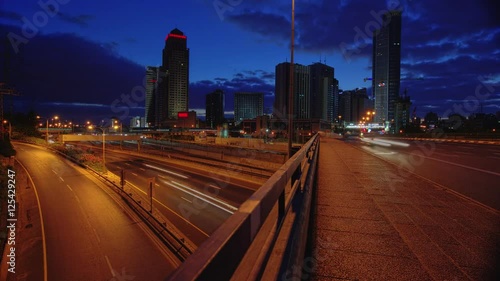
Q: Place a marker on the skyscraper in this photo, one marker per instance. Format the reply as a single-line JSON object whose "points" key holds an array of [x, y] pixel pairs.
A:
{"points": [[176, 67], [248, 105], [301, 99], [322, 91], [151, 95], [386, 66], [215, 109]]}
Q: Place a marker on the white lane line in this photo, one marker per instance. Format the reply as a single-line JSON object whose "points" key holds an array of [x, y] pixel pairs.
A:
{"points": [[173, 212], [199, 197], [459, 165], [69, 187], [142, 169], [156, 184], [77, 199], [166, 171], [54, 172], [187, 200], [214, 186], [134, 174], [61, 179], [110, 267], [127, 163], [96, 235]]}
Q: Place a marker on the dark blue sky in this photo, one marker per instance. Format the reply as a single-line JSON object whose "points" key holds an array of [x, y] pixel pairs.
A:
{"points": [[86, 58]]}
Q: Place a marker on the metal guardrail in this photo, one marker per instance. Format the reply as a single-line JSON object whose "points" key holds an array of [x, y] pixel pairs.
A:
{"points": [[250, 243]]}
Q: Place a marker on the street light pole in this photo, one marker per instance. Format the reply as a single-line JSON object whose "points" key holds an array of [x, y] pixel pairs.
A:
{"points": [[103, 147], [290, 94]]}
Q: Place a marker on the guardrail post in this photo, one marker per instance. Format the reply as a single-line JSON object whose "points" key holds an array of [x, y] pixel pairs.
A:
{"points": [[281, 206]]}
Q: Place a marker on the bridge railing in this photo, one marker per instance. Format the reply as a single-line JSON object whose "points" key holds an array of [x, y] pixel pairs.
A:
{"points": [[266, 237]]}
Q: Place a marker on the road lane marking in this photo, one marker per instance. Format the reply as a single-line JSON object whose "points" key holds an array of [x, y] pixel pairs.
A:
{"points": [[96, 235], [459, 165], [77, 199], [166, 171], [69, 187], [127, 163], [44, 246], [214, 186], [187, 200], [157, 184], [110, 267], [142, 169], [134, 174], [61, 179], [54, 172], [172, 211], [183, 188]]}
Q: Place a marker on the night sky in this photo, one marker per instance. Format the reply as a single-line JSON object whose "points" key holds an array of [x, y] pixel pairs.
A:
{"points": [[85, 60]]}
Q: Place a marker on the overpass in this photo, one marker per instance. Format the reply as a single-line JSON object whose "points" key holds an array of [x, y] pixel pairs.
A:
{"points": [[268, 234]]}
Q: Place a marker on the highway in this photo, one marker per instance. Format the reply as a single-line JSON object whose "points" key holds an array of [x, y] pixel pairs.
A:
{"points": [[89, 235], [196, 204], [471, 170]]}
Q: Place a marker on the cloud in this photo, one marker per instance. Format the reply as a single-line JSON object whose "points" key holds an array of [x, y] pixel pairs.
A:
{"points": [[67, 69], [80, 20], [12, 16]]}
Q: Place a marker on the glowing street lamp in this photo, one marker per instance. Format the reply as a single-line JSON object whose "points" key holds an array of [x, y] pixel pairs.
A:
{"points": [[103, 146], [10, 128]]}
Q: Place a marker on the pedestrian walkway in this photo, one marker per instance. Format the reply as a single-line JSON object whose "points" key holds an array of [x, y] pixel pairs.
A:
{"points": [[368, 226]]}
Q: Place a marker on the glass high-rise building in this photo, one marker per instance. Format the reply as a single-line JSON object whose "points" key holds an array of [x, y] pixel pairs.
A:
{"points": [[387, 66], [322, 91], [176, 67], [214, 109], [151, 95], [248, 105], [301, 88]]}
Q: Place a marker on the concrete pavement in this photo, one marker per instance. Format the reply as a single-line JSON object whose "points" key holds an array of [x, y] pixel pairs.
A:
{"points": [[367, 226]]}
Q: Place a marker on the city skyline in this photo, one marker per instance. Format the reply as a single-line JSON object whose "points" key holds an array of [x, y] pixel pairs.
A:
{"points": [[237, 49]]}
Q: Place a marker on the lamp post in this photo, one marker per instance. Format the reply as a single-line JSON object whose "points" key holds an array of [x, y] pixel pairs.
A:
{"points": [[10, 128], [47, 126], [103, 146], [290, 94], [121, 131]]}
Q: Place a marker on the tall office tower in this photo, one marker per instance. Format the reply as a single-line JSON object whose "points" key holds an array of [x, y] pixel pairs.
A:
{"points": [[176, 67], [151, 95], [402, 113], [301, 99], [333, 108], [321, 93], [214, 109], [353, 105], [248, 105], [386, 66], [359, 100]]}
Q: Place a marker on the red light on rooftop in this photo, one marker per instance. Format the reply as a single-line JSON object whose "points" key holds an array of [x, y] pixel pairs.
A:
{"points": [[182, 115], [175, 36]]}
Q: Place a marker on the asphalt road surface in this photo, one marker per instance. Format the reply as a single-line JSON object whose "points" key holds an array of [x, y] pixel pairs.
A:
{"points": [[88, 235], [196, 204], [472, 170]]}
